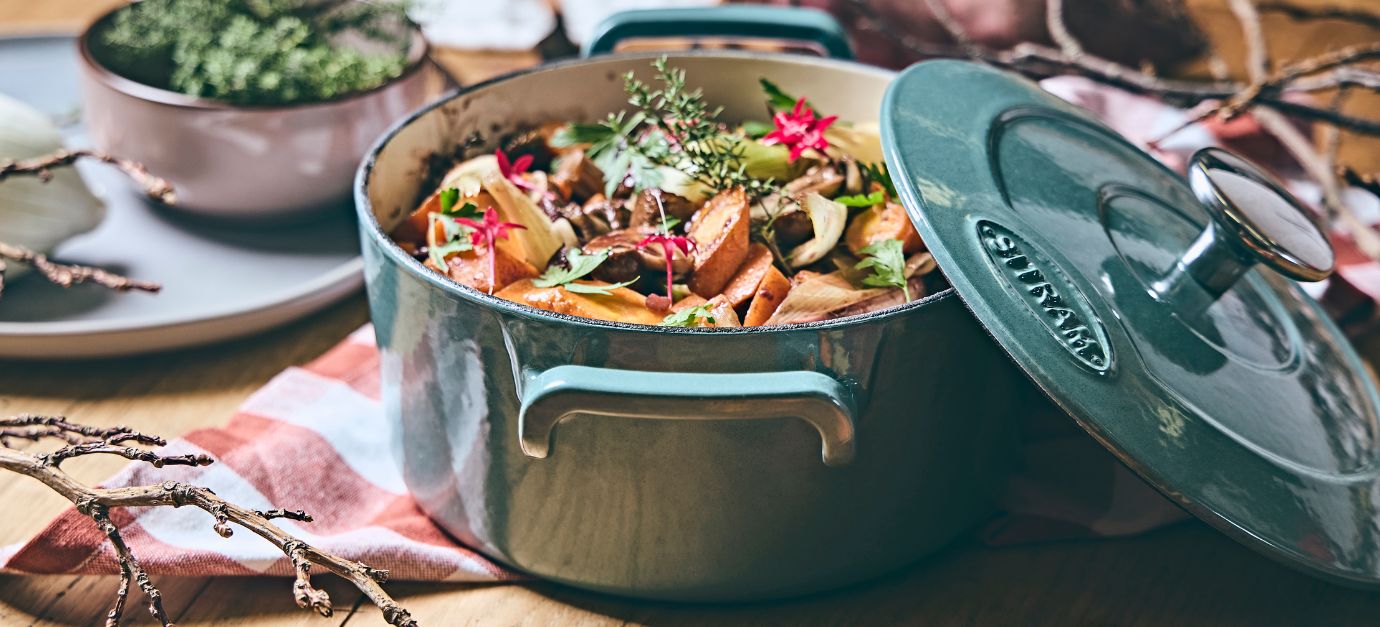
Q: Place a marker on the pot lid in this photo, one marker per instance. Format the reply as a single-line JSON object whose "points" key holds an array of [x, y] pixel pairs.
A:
{"points": [[1154, 310]]}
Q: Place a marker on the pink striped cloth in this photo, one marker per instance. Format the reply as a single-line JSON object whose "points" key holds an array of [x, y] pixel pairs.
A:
{"points": [[312, 439]]}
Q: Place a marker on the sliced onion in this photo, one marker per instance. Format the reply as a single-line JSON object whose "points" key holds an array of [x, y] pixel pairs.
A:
{"points": [[860, 141], [468, 176], [542, 238], [828, 218]]}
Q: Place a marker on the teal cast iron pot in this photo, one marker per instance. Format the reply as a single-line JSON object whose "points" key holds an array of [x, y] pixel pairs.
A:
{"points": [[684, 464]]}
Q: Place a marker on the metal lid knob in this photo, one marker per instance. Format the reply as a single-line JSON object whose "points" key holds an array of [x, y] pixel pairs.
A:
{"points": [[1254, 220]]}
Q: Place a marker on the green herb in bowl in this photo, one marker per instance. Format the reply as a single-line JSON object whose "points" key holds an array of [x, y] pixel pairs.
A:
{"points": [[258, 52]]}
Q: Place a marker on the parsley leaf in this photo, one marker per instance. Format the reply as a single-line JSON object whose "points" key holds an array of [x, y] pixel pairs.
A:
{"points": [[457, 240], [888, 265], [616, 149], [877, 173], [668, 223], [449, 197], [689, 317], [603, 290], [862, 200], [581, 264], [778, 99]]}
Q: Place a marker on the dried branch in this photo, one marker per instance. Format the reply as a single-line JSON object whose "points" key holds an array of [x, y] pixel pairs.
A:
{"points": [[941, 14], [65, 275], [1368, 182], [96, 503], [1268, 92], [1037, 61], [1317, 167], [1059, 30], [41, 167], [1257, 52]]}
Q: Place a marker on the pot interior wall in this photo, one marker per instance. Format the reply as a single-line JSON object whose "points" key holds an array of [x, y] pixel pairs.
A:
{"points": [[589, 91]]}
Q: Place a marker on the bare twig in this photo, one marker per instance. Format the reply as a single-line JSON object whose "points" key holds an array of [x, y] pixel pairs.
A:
{"points": [[1269, 92], [41, 167], [129, 566], [96, 503], [1038, 61], [1316, 165], [65, 275], [1331, 139], [1257, 52], [941, 14], [1059, 30], [1368, 182]]}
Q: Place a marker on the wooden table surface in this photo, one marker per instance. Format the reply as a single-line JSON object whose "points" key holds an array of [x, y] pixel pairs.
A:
{"points": [[1187, 574]]}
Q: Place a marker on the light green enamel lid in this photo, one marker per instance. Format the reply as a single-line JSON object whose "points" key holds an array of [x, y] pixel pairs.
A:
{"points": [[1153, 311]]}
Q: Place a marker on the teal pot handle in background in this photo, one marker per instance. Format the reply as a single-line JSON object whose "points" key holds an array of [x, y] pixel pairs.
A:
{"points": [[557, 394], [788, 23]]}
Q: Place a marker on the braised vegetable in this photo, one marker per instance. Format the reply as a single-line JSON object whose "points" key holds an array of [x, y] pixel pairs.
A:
{"points": [[664, 215]]}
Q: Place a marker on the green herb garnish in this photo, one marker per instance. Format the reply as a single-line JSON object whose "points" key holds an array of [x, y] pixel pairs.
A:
{"points": [[668, 223], [614, 147], [448, 197], [862, 200], [877, 173], [689, 317], [581, 264], [778, 99], [457, 240], [888, 265], [707, 152], [257, 52]]}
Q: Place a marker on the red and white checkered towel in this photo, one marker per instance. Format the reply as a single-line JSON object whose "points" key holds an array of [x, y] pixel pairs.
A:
{"points": [[311, 439]]}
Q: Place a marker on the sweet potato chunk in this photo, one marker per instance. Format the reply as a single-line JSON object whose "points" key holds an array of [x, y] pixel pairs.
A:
{"points": [[719, 309], [744, 284], [413, 228], [769, 295], [620, 305], [723, 312], [876, 224], [720, 233], [472, 268]]}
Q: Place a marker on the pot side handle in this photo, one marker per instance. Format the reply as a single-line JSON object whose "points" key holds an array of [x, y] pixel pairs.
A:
{"points": [[763, 22], [555, 395]]}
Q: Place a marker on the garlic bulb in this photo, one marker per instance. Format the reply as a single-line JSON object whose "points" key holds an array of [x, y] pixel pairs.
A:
{"points": [[35, 214]]}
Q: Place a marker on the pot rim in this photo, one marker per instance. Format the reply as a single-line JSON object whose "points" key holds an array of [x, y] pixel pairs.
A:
{"points": [[418, 53], [370, 224]]}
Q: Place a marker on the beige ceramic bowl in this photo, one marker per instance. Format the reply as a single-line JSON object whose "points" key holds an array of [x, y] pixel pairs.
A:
{"points": [[247, 162]]}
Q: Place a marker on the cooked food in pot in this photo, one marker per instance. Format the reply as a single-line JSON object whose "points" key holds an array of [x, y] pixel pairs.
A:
{"points": [[664, 215]]}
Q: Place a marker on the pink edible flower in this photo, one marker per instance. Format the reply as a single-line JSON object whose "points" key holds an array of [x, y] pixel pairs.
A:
{"points": [[486, 233], [669, 244], [799, 130]]}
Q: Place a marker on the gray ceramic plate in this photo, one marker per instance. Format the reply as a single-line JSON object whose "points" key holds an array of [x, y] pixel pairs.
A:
{"points": [[219, 282]]}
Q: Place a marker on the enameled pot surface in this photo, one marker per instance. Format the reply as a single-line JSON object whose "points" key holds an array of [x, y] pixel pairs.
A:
{"points": [[672, 478], [239, 162]]}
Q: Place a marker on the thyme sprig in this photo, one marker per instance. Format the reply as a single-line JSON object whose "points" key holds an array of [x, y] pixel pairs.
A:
{"points": [[706, 150]]}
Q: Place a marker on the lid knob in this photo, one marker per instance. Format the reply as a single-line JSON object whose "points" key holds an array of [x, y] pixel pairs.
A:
{"points": [[1254, 220]]}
